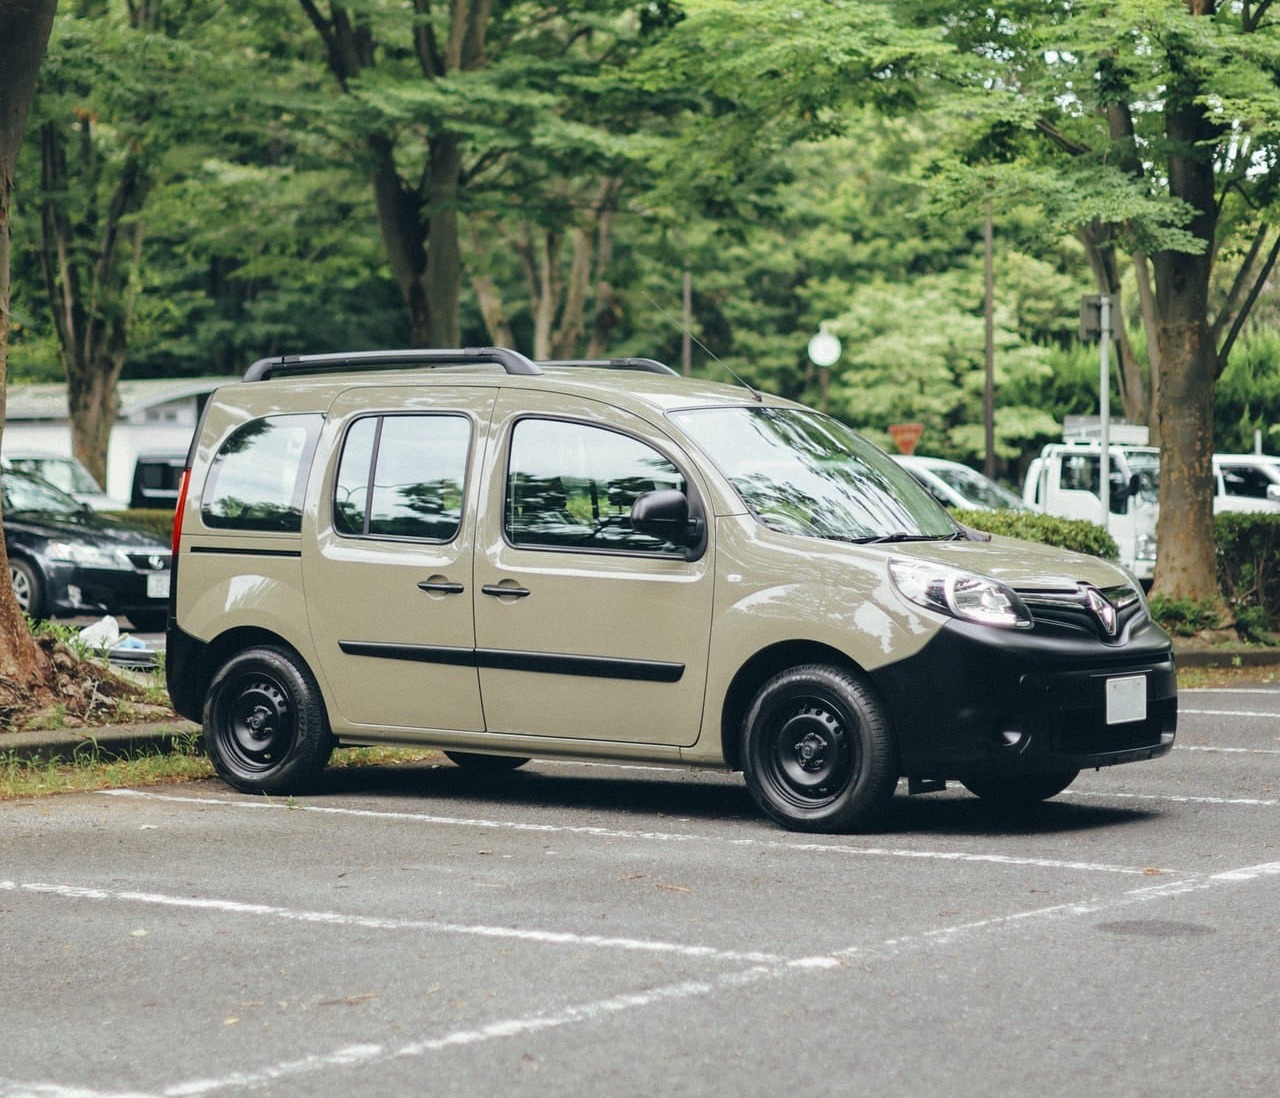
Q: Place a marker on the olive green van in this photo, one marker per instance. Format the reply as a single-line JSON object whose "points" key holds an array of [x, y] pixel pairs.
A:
{"points": [[602, 560]]}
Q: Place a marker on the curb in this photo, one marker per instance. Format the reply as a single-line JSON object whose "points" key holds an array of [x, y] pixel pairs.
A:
{"points": [[1188, 656], [109, 741]]}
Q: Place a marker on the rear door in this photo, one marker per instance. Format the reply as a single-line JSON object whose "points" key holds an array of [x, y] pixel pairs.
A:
{"points": [[388, 583], [586, 629]]}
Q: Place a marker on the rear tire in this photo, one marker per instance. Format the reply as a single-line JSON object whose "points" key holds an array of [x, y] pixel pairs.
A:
{"points": [[265, 728], [817, 751], [1020, 792]]}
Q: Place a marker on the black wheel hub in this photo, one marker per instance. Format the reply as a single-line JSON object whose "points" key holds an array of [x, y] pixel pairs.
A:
{"points": [[260, 723], [812, 753]]}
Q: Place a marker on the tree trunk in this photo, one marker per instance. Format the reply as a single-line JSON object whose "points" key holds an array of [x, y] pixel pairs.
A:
{"points": [[24, 35], [87, 263], [1186, 565]]}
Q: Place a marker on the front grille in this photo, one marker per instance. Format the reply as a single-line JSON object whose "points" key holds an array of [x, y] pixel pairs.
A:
{"points": [[1085, 611]]}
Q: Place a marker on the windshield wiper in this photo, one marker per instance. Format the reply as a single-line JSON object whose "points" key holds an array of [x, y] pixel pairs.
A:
{"points": [[902, 535]]}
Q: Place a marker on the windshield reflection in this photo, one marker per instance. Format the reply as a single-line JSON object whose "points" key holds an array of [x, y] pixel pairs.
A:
{"points": [[800, 472]]}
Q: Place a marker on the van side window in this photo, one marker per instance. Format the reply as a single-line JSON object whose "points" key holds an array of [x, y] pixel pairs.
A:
{"points": [[571, 485], [402, 476], [259, 474]]}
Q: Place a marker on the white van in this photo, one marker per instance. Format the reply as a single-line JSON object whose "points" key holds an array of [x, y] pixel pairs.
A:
{"points": [[1246, 482]]}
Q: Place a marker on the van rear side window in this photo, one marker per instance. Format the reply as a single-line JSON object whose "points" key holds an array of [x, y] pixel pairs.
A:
{"points": [[259, 475], [402, 476]]}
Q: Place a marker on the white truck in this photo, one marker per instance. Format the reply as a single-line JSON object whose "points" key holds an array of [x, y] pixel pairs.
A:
{"points": [[1064, 481]]}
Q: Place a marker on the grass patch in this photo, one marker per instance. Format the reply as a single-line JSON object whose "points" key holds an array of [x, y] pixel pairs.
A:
{"points": [[1190, 678], [89, 768]]}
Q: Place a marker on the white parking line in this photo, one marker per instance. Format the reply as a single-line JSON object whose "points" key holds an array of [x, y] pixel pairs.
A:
{"points": [[1228, 750], [654, 836], [1246, 802], [361, 1055], [334, 918], [1182, 712]]}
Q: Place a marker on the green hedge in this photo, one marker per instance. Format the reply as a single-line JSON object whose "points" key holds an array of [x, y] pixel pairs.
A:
{"points": [[1078, 534], [1248, 549], [159, 522]]}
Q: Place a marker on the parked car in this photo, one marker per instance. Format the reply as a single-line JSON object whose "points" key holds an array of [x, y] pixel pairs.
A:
{"points": [[1246, 482], [957, 486], [503, 559], [157, 476], [64, 559], [65, 473]]}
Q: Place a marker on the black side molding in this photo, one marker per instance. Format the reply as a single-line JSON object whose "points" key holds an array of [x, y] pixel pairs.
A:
{"points": [[548, 663]]}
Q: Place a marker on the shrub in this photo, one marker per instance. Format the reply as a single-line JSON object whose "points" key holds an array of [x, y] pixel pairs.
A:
{"points": [[1077, 534], [159, 522], [1248, 552], [1185, 617]]}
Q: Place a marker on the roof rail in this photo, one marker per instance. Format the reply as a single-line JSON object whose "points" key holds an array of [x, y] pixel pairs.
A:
{"points": [[289, 365], [648, 365]]}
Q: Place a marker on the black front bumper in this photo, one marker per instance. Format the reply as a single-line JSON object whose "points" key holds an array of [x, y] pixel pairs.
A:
{"points": [[982, 701]]}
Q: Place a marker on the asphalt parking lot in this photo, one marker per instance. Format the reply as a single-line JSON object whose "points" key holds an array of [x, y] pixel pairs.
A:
{"points": [[602, 930]]}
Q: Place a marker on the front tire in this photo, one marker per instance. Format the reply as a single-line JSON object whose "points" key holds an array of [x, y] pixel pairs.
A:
{"points": [[28, 587], [265, 728], [817, 750]]}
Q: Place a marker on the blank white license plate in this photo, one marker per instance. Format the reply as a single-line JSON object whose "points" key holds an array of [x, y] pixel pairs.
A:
{"points": [[157, 585], [1127, 699]]}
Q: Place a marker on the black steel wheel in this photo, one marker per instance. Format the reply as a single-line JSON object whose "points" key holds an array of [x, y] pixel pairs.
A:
{"points": [[28, 587], [1020, 791], [817, 750], [485, 764], [265, 728]]}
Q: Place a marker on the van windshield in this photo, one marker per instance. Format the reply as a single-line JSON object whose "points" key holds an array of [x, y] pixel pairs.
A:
{"points": [[800, 472]]}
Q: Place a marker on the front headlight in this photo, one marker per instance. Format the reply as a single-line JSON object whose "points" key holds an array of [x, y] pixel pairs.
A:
{"points": [[964, 595], [88, 556]]}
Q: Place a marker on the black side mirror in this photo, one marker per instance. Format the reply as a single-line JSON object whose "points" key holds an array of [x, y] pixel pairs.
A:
{"points": [[663, 513], [1135, 484], [667, 514]]}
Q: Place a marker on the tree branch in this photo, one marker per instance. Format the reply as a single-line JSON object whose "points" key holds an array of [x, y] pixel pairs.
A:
{"points": [[1224, 353]]}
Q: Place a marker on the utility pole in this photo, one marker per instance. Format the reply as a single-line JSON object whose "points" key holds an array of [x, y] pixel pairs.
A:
{"points": [[988, 309], [687, 351], [1095, 323]]}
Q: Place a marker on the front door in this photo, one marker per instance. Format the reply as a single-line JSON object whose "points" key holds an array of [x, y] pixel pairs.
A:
{"points": [[586, 628]]}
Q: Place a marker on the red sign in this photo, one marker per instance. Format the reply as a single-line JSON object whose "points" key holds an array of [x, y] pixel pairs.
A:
{"points": [[906, 435]]}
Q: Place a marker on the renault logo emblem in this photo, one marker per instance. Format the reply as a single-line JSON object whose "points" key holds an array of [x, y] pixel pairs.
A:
{"points": [[1103, 610]]}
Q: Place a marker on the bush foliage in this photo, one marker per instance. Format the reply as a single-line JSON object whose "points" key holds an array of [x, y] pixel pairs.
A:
{"points": [[1248, 548], [1077, 534]]}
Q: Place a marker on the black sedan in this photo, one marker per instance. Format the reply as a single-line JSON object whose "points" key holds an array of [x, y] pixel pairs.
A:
{"points": [[66, 560]]}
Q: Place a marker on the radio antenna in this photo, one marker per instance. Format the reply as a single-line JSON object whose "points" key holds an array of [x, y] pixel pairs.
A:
{"points": [[755, 394]]}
